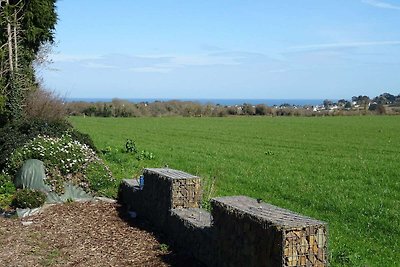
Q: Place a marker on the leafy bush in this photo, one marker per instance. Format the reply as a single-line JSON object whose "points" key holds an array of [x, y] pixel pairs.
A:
{"points": [[5, 201], [6, 185], [7, 190], [65, 160], [98, 176], [130, 146], [27, 198]]}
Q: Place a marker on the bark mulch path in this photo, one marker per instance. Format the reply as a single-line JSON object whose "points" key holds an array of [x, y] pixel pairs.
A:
{"points": [[82, 234]]}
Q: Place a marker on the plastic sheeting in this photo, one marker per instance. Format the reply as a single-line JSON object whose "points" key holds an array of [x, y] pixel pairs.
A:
{"points": [[71, 193], [32, 176]]}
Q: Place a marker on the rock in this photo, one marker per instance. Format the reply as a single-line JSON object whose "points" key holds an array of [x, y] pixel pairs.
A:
{"points": [[321, 238], [106, 199], [303, 245], [132, 214]]}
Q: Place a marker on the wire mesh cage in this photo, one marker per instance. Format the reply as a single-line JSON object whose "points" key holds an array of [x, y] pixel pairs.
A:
{"points": [[305, 247]]}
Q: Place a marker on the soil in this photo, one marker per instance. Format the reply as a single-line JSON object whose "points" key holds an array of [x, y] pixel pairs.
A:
{"points": [[84, 234]]}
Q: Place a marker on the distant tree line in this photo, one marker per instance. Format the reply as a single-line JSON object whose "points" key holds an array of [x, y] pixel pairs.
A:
{"points": [[382, 104]]}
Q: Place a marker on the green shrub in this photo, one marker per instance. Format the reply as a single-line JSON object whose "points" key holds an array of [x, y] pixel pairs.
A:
{"points": [[27, 198], [5, 201], [6, 185], [15, 135], [100, 179], [65, 160], [130, 146], [62, 152]]}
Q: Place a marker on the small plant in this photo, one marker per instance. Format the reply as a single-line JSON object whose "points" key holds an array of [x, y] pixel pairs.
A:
{"points": [[107, 150], [5, 201], [130, 146], [208, 192], [6, 185], [114, 155], [100, 179], [145, 155], [27, 198], [7, 190], [164, 248]]}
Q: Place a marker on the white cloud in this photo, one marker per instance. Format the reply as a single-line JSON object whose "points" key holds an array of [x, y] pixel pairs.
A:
{"points": [[381, 4], [72, 58], [151, 70], [164, 63], [93, 65], [279, 70], [343, 45], [202, 60]]}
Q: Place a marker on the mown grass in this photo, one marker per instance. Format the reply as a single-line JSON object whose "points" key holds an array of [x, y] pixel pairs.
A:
{"points": [[343, 170]]}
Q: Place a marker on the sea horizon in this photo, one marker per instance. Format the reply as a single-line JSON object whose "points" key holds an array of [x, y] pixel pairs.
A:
{"points": [[215, 101]]}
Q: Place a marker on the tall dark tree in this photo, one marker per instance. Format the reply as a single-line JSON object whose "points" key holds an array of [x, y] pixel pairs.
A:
{"points": [[26, 25]]}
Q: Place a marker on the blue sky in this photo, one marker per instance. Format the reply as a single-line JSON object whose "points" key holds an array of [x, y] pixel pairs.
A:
{"points": [[226, 49]]}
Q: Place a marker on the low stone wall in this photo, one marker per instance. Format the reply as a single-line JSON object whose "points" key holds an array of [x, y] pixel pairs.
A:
{"points": [[249, 233], [240, 231], [164, 190], [190, 230]]}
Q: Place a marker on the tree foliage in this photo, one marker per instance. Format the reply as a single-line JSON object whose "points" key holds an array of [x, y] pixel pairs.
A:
{"points": [[26, 25]]}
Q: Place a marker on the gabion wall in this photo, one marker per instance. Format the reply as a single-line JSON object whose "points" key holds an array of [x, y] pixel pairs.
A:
{"points": [[240, 231], [252, 233]]}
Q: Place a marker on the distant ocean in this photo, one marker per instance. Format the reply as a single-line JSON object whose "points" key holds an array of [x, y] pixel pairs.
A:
{"points": [[223, 102]]}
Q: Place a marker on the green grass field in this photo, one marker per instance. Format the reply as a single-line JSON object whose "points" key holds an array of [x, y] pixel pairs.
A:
{"points": [[343, 170]]}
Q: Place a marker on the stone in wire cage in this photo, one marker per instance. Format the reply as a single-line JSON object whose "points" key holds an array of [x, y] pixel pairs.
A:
{"points": [[305, 247]]}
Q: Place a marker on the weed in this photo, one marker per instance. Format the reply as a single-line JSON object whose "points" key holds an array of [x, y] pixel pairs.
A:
{"points": [[130, 146], [51, 258], [143, 155], [164, 248]]}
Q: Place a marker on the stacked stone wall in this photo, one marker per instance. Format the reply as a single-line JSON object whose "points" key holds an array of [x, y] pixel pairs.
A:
{"points": [[240, 231], [252, 233]]}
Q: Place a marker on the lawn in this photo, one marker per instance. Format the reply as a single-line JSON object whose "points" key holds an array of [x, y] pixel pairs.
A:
{"points": [[343, 170]]}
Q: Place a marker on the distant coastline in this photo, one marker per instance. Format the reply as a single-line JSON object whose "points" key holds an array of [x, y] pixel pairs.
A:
{"points": [[203, 101]]}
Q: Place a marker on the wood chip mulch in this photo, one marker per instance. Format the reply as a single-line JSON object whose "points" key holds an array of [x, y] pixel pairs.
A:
{"points": [[83, 234]]}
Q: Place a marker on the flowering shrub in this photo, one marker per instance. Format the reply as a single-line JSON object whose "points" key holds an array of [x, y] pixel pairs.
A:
{"points": [[65, 159], [66, 154]]}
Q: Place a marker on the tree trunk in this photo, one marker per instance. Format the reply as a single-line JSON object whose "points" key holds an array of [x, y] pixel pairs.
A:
{"points": [[10, 43], [15, 40]]}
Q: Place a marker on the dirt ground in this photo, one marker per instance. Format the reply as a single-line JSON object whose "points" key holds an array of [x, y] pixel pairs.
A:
{"points": [[83, 234]]}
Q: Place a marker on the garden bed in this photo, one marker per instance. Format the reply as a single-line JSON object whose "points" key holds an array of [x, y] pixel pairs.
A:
{"points": [[82, 234]]}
